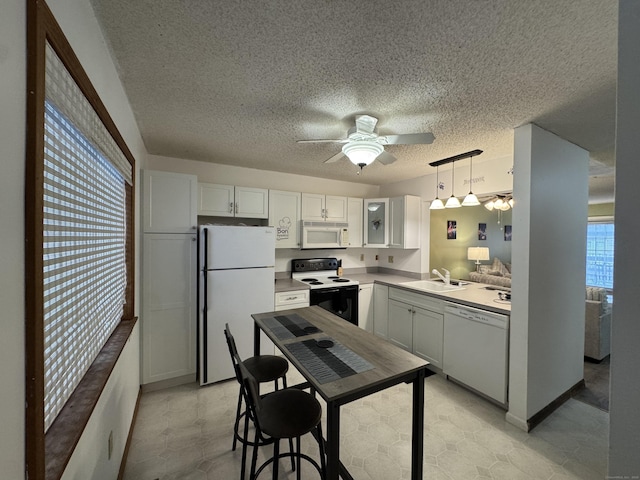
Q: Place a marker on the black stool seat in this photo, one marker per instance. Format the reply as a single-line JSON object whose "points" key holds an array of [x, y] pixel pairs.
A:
{"points": [[267, 368], [289, 413]]}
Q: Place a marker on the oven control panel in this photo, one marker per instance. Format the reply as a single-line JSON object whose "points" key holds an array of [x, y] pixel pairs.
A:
{"points": [[314, 264]]}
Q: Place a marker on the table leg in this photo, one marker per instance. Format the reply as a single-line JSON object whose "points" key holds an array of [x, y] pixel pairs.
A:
{"points": [[417, 429], [256, 339], [333, 441]]}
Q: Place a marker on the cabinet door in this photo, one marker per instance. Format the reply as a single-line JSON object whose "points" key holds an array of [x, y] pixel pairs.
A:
{"points": [[251, 202], [428, 331], [376, 217], [401, 324], [365, 308], [335, 208], [396, 222], [381, 310], [354, 218], [168, 306], [284, 215], [215, 200], [169, 202], [313, 207]]}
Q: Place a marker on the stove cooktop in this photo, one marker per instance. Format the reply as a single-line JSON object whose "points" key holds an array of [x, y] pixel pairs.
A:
{"points": [[319, 273]]}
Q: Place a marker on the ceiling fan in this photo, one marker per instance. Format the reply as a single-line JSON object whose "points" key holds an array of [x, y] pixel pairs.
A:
{"points": [[363, 145]]}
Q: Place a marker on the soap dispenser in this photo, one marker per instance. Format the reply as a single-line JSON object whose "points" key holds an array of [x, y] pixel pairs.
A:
{"points": [[339, 268]]}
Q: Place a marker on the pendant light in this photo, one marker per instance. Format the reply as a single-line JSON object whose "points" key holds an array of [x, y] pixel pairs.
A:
{"points": [[470, 200], [437, 204], [453, 202]]}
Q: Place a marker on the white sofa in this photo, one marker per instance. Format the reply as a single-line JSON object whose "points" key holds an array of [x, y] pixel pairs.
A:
{"points": [[497, 273], [597, 324]]}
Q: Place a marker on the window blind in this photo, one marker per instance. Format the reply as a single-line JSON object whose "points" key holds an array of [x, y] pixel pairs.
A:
{"points": [[84, 233]]}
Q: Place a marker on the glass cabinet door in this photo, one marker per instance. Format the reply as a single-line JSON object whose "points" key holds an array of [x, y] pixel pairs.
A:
{"points": [[376, 214]]}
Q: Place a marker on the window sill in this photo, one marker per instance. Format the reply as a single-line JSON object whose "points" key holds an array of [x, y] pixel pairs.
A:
{"points": [[65, 432]]}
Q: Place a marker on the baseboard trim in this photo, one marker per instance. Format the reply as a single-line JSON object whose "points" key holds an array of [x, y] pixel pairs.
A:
{"points": [[168, 383], [125, 454], [536, 419]]}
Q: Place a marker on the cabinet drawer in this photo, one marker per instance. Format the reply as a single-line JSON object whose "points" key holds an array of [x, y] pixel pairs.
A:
{"points": [[417, 299], [284, 299]]}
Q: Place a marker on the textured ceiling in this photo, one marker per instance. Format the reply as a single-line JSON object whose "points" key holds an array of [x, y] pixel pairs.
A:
{"points": [[238, 82]]}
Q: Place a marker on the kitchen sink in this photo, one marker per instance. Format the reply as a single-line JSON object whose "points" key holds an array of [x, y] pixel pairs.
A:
{"points": [[432, 286]]}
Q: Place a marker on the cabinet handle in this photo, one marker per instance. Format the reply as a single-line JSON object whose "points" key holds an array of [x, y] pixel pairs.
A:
{"points": [[231, 207], [193, 239], [194, 228]]}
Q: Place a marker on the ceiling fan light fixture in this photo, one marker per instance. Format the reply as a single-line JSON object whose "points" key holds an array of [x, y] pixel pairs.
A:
{"points": [[362, 153]]}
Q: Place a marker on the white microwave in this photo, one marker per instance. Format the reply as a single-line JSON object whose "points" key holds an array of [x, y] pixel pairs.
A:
{"points": [[325, 234]]}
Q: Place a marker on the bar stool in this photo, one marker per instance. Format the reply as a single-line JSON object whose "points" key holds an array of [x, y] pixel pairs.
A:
{"points": [[264, 368], [283, 414]]}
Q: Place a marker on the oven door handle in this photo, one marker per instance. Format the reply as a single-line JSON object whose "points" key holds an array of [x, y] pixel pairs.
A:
{"points": [[329, 290]]}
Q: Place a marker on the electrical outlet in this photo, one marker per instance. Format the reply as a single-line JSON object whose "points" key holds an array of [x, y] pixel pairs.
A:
{"points": [[390, 258], [110, 444], [376, 257], [362, 257]]}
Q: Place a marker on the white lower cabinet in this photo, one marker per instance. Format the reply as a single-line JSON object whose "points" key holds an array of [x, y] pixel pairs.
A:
{"points": [[168, 306], [291, 299], [365, 307], [381, 310], [416, 323]]}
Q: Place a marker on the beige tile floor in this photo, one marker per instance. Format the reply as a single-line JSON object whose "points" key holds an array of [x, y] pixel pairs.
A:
{"points": [[185, 432]]}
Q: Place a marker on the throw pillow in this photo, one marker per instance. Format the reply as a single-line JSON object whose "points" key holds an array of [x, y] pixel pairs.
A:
{"points": [[499, 266]]}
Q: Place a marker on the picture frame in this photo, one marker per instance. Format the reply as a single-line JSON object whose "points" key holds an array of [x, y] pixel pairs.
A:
{"points": [[451, 229], [507, 233], [482, 231]]}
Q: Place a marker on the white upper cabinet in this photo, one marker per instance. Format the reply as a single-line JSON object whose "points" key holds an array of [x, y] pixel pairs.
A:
{"points": [[284, 215], [404, 222], [354, 219], [320, 208], [169, 202], [376, 222], [216, 200]]}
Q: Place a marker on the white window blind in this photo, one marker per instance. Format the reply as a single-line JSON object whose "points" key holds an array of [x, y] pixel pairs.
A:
{"points": [[600, 254], [84, 243]]}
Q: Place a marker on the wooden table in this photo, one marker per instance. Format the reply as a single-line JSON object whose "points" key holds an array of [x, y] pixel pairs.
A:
{"points": [[391, 366]]}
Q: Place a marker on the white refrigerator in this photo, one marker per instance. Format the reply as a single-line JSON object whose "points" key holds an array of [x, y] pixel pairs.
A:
{"points": [[236, 279]]}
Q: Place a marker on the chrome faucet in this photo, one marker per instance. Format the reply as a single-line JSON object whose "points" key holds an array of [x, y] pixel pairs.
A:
{"points": [[447, 275]]}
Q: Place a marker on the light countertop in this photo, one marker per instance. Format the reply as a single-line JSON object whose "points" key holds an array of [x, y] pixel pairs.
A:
{"points": [[473, 294]]}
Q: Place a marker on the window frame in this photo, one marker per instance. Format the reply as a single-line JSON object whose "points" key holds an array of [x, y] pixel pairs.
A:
{"points": [[47, 455]]}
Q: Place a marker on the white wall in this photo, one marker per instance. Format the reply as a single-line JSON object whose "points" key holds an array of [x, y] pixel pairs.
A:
{"points": [[12, 141], [80, 26], [624, 441], [548, 259]]}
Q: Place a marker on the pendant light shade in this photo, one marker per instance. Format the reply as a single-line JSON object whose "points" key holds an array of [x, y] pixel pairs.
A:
{"points": [[437, 204]]}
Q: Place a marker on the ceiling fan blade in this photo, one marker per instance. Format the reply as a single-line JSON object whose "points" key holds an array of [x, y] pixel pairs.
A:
{"points": [[407, 139], [386, 158], [365, 123], [342, 140], [335, 158]]}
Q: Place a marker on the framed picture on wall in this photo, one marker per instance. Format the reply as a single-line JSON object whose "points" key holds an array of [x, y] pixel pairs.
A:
{"points": [[482, 231], [507, 233], [451, 229]]}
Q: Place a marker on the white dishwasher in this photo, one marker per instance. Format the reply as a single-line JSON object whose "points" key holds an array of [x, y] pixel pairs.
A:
{"points": [[476, 349]]}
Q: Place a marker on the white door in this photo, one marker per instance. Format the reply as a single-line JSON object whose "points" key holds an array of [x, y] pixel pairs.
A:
{"points": [[252, 202], [169, 202], [428, 335], [335, 208], [376, 223], [232, 296], [231, 246], [313, 207], [168, 306], [215, 200], [401, 324], [365, 308], [354, 218], [284, 215]]}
